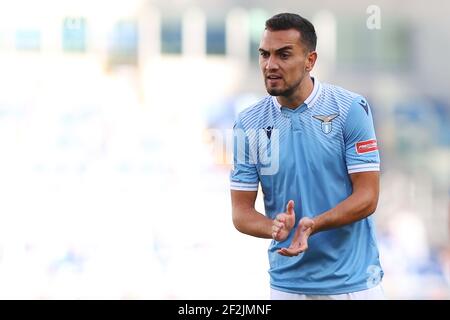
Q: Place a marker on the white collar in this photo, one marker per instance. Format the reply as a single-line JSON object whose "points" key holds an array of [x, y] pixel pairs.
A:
{"points": [[312, 98]]}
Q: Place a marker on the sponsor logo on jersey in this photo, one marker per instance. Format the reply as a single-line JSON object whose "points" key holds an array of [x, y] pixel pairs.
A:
{"points": [[366, 146]]}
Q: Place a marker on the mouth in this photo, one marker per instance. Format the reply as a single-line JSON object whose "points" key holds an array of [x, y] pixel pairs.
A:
{"points": [[273, 79]]}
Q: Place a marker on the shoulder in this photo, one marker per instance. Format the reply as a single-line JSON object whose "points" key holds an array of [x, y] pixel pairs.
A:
{"points": [[344, 99], [252, 115], [341, 95]]}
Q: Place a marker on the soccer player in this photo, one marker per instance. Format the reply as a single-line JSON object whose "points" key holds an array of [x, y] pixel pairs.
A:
{"points": [[312, 148]]}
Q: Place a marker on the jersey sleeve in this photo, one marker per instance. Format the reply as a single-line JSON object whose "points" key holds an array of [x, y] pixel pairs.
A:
{"points": [[360, 140], [244, 174]]}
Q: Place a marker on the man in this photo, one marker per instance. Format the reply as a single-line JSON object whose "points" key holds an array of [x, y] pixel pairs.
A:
{"points": [[313, 149]]}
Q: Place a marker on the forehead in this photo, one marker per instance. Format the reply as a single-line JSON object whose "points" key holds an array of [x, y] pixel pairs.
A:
{"points": [[273, 40]]}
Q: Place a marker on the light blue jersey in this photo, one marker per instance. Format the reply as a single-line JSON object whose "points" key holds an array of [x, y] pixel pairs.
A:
{"points": [[306, 155]]}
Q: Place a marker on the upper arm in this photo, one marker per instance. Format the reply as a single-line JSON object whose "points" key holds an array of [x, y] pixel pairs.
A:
{"points": [[366, 181], [242, 201], [244, 175], [366, 186], [244, 178], [361, 154], [361, 148]]}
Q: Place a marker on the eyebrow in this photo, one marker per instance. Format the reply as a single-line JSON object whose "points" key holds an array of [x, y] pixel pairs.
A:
{"points": [[285, 48]]}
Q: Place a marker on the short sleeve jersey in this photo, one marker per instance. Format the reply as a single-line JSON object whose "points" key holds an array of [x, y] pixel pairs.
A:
{"points": [[307, 154]]}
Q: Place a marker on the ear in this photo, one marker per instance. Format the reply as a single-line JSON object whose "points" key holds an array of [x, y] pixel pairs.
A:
{"points": [[311, 58]]}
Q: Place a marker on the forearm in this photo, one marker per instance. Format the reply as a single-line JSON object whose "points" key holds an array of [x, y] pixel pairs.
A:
{"points": [[352, 209], [253, 223]]}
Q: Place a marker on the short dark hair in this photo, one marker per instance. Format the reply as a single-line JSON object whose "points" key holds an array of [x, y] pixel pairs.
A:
{"points": [[285, 21]]}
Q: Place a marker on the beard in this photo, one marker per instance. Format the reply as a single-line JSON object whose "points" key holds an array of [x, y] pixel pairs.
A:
{"points": [[284, 92]]}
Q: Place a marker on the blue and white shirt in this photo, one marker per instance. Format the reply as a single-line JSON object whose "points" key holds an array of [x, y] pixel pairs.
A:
{"points": [[306, 154]]}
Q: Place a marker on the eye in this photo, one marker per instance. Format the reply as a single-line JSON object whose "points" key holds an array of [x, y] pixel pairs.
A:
{"points": [[284, 55], [264, 54]]}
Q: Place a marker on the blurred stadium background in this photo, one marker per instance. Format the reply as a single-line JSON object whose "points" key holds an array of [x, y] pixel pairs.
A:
{"points": [[113, 134]]}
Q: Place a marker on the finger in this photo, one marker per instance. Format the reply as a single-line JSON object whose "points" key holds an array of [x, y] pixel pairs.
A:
{"points": [[275, 233], [287, 252], [279, 224], [292, 251], [276, 236], [307, 223], [290, 207], [282, 251]]}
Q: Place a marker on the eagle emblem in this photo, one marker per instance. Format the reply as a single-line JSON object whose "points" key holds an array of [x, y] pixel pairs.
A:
{"points": [[326, 121]]}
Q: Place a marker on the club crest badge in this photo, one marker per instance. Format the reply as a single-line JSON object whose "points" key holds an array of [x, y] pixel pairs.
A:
{"points": [[326, 121]]}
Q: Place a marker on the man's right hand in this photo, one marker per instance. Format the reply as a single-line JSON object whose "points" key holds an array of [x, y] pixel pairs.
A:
{"points": [[283, 223]]}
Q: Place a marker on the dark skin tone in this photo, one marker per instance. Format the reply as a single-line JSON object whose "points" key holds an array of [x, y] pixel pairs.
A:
{"points": [[286, 63]]}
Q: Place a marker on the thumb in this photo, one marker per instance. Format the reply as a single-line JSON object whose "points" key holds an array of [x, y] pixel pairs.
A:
{"points": [[306, 223], [290, 208]]}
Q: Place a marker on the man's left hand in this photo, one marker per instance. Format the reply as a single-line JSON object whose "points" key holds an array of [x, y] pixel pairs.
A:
{"points": [[299, 243]]}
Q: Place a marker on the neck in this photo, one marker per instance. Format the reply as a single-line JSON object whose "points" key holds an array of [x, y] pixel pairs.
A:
{"points": [[303, 91]]}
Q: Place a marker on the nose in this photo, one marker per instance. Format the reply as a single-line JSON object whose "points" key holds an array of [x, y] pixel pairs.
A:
{"points": [[271, 63]]}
